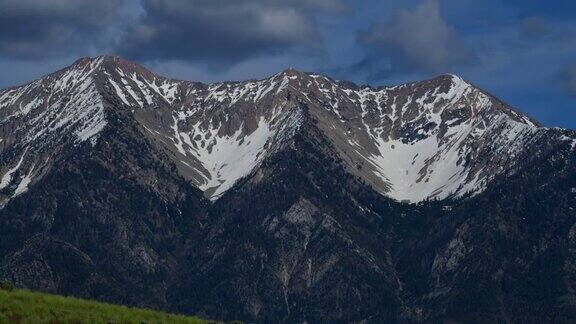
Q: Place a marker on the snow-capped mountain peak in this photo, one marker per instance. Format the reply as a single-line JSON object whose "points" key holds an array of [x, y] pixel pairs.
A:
{"points": [[430, 139]]}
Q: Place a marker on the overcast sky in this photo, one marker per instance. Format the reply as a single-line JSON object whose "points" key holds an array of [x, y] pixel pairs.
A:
{"points": [[523, 51]]}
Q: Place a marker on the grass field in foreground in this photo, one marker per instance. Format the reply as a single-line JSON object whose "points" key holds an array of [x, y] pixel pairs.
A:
{"points": [[23, 306]]}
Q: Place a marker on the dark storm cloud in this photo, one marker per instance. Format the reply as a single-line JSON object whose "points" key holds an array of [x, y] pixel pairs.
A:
{"points": [[417, 40], [568, 78], [37, 28], [224, 31]]}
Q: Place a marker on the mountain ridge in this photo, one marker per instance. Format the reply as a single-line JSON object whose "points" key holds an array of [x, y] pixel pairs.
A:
{"points": [[196, 107]]}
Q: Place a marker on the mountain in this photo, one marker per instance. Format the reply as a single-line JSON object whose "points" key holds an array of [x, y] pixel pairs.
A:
{"points": [[291, 198]]}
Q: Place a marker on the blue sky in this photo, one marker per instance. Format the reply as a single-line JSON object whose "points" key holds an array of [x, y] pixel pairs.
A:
{"points": [[522, 51]]}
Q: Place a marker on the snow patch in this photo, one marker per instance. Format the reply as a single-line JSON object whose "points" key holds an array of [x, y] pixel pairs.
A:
{"points": [[230, 158], [7, 178], [569, 139], [93, 125], [23, 185]]}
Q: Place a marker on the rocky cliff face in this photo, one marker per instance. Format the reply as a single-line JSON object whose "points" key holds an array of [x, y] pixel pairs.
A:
{"points": [[292, 198]]}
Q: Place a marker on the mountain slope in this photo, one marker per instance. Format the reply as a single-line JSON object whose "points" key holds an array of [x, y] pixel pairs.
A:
{"points": [[285, 199], [107, 221], [506, 254], [293, 231]]}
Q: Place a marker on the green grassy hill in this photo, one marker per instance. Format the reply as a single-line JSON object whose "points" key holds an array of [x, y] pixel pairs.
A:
{"points": [[22, 306]]}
